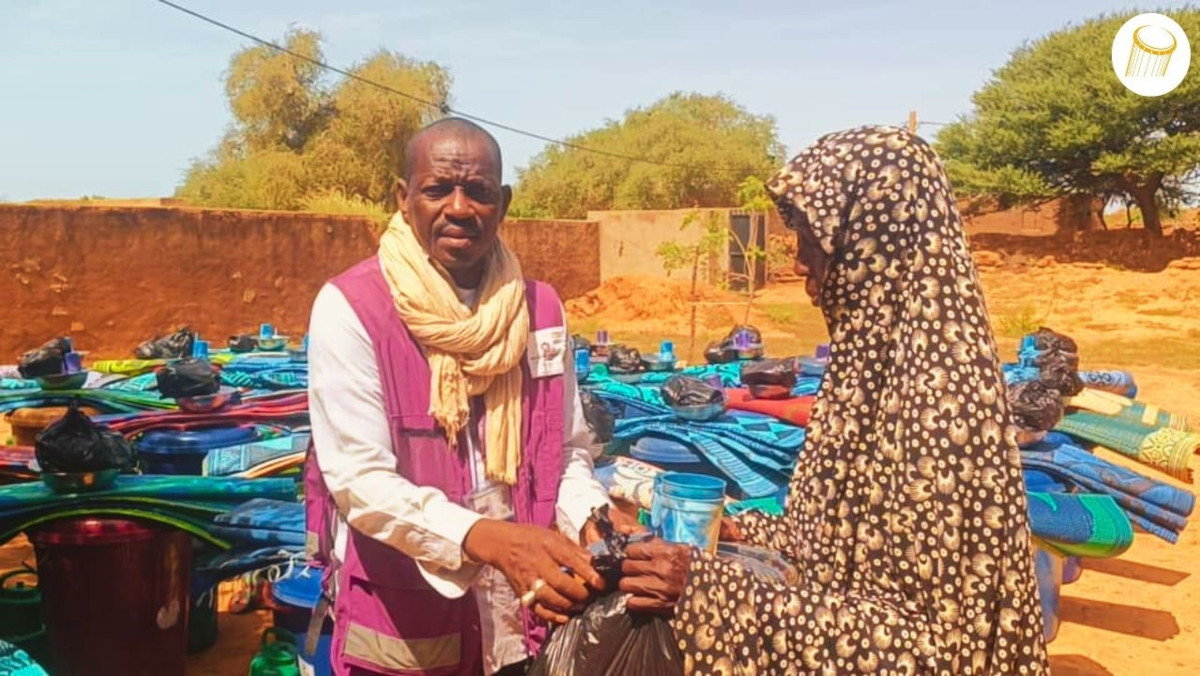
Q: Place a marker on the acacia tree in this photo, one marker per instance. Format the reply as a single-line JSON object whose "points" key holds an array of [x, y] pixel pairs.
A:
{"points": [[1056, 121], [705, 145], [298, 139]]}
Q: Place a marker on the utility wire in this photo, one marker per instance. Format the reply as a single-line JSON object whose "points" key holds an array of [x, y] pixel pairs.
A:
{"points": [[442, 107]]}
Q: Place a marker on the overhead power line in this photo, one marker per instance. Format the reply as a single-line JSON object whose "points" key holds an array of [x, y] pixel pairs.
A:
{"points": [[443, 108]]}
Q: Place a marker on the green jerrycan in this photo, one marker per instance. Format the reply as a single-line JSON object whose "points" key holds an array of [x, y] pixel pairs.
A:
{"points": [[277, 656]]}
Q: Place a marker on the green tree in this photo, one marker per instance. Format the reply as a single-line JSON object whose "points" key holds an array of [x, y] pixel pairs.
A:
{"points": [[713, 241], [1056, 121], [298, 140], [709, 142]]}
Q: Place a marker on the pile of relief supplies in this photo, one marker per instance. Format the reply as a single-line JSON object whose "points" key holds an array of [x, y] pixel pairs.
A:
{"points": [[741, 417], [210, 442]]}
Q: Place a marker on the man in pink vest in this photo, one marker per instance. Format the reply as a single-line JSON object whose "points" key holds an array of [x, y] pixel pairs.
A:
{"points": [[451, 471]]}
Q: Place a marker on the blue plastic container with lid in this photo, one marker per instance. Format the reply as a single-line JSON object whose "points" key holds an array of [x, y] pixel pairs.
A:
{"points": [[670, 455], [294, 598], [687, 509], [183, 452]]}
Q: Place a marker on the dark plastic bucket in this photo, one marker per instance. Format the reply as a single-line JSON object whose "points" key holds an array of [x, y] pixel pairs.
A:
{"points": [[115, 596], [294, 598], [182, 452]]}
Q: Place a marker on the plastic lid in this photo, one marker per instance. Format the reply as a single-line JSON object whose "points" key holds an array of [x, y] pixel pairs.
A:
{"points": [[266, 330], [657, 451], [195, 441], [667, 347], [92, 531], [302, 588]]}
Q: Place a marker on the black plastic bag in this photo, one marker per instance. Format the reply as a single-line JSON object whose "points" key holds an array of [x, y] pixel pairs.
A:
{"points": [[1034, 405], [47, 360], [599, 419], [688, 391], [720, 352], [1060, 370], [606, 639], [188, 378], [726, 349], [770, 378], [173, 346], [1046, 339], [243, 343], [625, 359], [74, 443], [753, 335]]}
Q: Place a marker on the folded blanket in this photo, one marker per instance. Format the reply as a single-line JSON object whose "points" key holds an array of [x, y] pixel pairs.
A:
{"points": [[1059, 449], [287, 409], [1164, 449], [243, 457], [106, 400], [1074, 524], [12, 526], [1127, 410], [181, 488], [755, 452], [1121, 486], [631, 401], [796, 411], [261, 523], [730, 374], [1117, 382]]}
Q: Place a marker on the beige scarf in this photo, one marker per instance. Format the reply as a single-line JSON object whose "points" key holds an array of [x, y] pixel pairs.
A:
{"points": [[470, 353]]}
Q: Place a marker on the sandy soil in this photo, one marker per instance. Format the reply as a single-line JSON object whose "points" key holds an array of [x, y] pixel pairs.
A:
{"points": [[1139, 614]]}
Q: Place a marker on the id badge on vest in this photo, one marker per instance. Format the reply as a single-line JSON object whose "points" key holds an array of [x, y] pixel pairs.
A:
{"points": [[546, 352]]}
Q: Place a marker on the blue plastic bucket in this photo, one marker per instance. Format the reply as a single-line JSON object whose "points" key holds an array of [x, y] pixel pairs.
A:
{"points": [[670, 455], [1049, 570], [183, 452], [294, 598], [687, 509]]}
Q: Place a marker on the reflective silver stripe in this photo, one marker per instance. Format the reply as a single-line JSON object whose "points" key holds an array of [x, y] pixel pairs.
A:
{"points": [[401, 654]]}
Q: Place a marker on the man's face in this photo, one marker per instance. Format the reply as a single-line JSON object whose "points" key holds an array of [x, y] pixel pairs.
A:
{"points": [[454, 200]]}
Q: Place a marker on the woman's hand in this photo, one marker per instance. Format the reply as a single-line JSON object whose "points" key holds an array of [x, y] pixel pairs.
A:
{"points": [[731, 531], [655, 574]]}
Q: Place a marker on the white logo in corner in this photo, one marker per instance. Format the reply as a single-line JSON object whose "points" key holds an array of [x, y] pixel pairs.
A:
{"points": [[1151, 54]]}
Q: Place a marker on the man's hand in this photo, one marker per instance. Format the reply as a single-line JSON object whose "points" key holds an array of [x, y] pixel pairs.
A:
{"points": [[525, 554], [655, 574]]}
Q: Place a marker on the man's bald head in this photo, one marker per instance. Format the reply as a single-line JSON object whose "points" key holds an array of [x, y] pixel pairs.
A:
{"points": [[449, 126]]}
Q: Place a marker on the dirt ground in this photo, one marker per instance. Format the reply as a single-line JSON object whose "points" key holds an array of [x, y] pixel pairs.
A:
{"points": [[1139, 614]]}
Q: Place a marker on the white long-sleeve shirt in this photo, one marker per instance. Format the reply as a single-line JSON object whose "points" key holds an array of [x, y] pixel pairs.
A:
{"points": [[353, 445]]}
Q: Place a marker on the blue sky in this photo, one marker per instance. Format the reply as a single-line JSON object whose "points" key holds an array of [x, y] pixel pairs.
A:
{"points": [[115, 98]]}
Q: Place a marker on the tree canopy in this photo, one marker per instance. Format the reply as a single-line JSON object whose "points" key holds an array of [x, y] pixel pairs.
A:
{"points": [[1056, 121], [710, 143], [297, 139]]}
